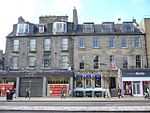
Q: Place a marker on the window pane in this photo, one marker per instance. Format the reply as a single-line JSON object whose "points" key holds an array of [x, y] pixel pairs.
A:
{"points": [[32, 45], [112, 62], [64, 44], [111, 42], [96, 62], [125, 62], [98, 82], [82, 43], [79, 82], [16, 45], [138, 61], [95, 42], [31, 62], [46, 61], [137, 42], [82, 62], [47, 44], [15, 62], [123, 42], [64, 62], [88, 83]]}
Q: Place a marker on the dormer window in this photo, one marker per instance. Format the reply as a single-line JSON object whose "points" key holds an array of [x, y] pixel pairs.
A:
{"points": [[59, 27], [22, 29], [88, 28], [107, 27], [128, 27], [41, 28]]}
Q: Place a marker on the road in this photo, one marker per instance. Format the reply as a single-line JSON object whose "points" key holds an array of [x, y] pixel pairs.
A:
{"points": [[72, 107], [108, 103]]}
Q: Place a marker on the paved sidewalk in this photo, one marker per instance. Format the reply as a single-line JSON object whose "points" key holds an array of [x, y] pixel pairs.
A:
{"points": [[74, 108], [76, 99]]}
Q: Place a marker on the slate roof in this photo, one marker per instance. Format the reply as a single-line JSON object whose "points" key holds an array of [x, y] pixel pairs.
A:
{"points": [[98, 29]]}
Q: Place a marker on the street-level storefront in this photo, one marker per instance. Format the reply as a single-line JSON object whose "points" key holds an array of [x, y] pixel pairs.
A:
{"points": [[135, 81], [7, 83], [94, 84], [41, 83]]}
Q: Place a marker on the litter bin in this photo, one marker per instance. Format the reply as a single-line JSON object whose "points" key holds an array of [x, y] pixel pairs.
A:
{"points": [[9, 95]]}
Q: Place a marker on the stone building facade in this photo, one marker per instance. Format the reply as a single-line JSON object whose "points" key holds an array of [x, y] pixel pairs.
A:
{"points": [[83, 59]]}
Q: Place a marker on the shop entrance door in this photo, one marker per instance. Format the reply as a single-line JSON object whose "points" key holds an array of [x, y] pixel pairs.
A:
{"points": [[136, 88]]}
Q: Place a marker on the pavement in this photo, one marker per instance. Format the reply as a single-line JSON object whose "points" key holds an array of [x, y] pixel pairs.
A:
{"points": [[74, 108]]}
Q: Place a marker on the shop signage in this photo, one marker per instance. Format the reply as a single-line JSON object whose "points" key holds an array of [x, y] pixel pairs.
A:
{"points": [[78, 76], [136, 73], [97, 76], [88, 76], [55, 89]]}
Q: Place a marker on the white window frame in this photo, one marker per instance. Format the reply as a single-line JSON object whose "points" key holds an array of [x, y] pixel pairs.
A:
{"points": [[16, 44], [15, 62], [95, 42], [41, 28], [64, 44], [64, 62], [47, 44], [137, 42], [59, 27], [81, 42], [46, 62], [88, 28], [31, 62], [124, 42], [32, 45], [22, 28], [112, 42]]}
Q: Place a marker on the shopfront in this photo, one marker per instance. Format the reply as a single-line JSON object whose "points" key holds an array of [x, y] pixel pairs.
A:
{"points": [[135, 81], [41, 83], [7, 83], [88, 85]]}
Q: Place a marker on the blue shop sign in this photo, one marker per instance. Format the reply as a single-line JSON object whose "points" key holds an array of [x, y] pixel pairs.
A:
{"points": [[88, 76], [97, 76], [78, 76]]}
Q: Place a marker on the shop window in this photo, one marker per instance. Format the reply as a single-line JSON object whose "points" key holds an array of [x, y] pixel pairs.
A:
{"points": [[97, 82], [79, 82], [88, 83], [98, 93], [88, 93], [127, 88], [79, 93]]}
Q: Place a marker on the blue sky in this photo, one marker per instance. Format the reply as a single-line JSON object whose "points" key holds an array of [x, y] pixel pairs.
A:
{"points": [[96, 11]]}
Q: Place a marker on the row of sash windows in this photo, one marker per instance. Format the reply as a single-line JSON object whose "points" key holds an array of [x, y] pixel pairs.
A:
{"points": [[123, 42], [46, 45]]}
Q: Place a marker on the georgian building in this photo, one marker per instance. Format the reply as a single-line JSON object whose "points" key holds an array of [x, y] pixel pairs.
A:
{"points": [[83, 59]]}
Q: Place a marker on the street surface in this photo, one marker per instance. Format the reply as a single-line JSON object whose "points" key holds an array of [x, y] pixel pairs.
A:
{"points": [[72, 107]]}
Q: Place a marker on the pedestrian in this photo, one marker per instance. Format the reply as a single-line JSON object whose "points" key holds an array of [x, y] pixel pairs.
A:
{"points": [[27, 92], [62, 93], [107, 93], [119, 93]]}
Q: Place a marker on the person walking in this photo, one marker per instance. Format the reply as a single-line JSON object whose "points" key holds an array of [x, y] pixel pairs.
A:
{"points": [[119, 93], [62, 93], [27, 92]]}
